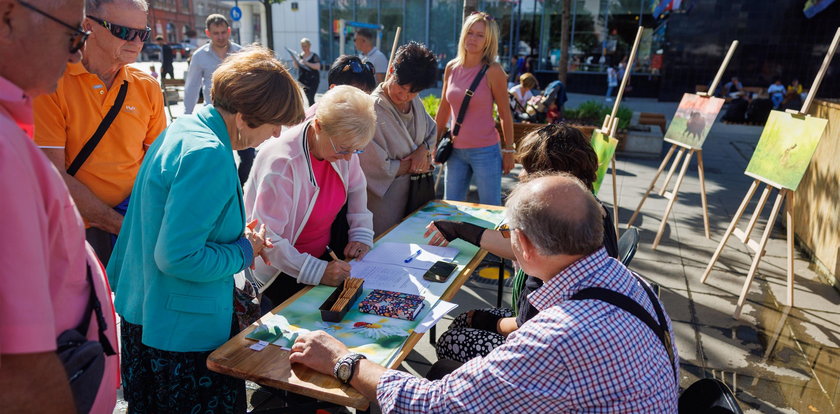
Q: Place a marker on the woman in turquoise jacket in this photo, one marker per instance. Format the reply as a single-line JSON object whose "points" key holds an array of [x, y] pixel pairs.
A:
{"points": [[184, 237]]}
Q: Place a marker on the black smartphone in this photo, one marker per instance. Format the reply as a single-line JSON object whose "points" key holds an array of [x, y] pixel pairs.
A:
{"points": [[439, 271]]}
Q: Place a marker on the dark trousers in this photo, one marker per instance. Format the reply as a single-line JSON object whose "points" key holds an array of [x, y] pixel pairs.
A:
{"points": [[310, 93], [100, 240], [246, 160], [167, 70]]}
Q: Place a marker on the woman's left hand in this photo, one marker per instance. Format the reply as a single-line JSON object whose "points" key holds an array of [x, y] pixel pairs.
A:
{"points": [[356, 250], [507, 162], [420, 159]]}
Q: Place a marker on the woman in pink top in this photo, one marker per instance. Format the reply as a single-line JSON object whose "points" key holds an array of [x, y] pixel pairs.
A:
{"points": [[303, 184], [477, 151]]}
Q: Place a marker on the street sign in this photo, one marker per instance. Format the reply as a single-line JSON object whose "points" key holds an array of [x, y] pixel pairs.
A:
{"points": [[235, 13]]}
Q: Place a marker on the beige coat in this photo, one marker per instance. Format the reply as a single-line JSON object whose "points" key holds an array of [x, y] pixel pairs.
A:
{"points": [[387, 193]]}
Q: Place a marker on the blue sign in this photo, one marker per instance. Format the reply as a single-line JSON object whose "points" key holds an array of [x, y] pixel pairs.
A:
{"points": [[235, 13]]}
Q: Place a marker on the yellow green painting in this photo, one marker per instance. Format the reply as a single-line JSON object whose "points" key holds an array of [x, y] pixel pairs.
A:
{"points": [[604, 147], [785, 149], [693, 120]]}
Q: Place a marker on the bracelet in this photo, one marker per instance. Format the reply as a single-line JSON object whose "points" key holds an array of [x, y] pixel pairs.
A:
{"points": [[508, 151]]}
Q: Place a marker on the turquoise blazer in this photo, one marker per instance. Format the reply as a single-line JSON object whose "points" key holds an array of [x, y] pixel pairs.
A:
{"points": [[182, 239]]}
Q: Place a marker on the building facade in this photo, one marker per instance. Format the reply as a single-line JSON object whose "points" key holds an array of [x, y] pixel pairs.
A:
{"points": [[172, 19]]}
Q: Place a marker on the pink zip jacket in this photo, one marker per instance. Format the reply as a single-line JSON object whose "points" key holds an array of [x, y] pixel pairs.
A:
{"points": [[281, 193]]}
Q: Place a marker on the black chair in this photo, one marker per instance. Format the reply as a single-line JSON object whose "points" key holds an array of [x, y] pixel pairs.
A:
{"points": [[708, 395], [627, 245]]}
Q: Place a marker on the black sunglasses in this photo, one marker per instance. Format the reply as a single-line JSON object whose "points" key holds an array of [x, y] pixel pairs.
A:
{"points": [[357, 67], [77, 39], [123, 32]]}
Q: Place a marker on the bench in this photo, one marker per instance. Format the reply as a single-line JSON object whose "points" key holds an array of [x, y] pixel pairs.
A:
{"points": [[648, 118], [171, 88]]}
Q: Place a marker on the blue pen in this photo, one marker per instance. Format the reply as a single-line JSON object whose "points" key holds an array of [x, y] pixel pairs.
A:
{"points": [[413, 256]]}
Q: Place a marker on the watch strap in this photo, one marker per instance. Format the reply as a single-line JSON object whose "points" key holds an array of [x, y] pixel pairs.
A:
{"points": [[350, 359]]}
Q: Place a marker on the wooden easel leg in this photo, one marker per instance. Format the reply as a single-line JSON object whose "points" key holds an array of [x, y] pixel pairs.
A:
{"points": [[701, 173], [671, 171], [673, 199], [790, 240], [730, 229], [757, 259], [652, 184], [762, 201], [615, 195]]}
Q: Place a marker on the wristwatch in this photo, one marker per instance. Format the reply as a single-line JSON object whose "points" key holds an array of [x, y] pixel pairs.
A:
{"points": [[344, 367]]}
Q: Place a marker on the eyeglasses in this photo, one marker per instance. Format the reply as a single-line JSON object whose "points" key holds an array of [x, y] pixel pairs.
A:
{"points": [[357, 67], [344, 152], [77, 39], [505, 230], [484, 15], [123, 32]]}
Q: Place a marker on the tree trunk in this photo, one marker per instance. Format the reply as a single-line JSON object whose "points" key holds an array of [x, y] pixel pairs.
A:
{"points": [[564, 41], [269, 29], [469, 7]]}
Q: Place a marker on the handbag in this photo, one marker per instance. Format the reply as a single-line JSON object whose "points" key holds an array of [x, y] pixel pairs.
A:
{"points": [[246, 305], [443, 150], [421, 190], [83, 359]]}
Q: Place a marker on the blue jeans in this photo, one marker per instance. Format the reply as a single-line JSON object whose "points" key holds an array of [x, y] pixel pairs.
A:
{"points": [[609, 92], [777, 100], [485, 163]]}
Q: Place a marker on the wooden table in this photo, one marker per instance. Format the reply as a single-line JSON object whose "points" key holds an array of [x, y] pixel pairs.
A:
{"points": [[271, 366]]}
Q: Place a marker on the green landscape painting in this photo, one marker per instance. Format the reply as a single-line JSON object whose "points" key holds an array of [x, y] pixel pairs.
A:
{"points": [[693, 120], [785, 149], [604, 147]]}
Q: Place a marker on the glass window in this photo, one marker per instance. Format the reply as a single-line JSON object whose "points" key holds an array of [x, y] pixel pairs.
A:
{"points": [[444, 29], [415, 22]]}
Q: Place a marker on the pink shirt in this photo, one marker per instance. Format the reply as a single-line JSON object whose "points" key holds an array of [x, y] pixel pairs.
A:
{"points": [[331, 197], [43, 284], [479, 128]]}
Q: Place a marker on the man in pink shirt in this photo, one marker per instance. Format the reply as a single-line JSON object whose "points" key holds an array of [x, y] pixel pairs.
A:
{"points": [[43, 255]]}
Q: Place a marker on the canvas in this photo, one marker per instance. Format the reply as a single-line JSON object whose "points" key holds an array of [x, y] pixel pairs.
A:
{"points": [[604, 147], [785, 149], [693, 120]]}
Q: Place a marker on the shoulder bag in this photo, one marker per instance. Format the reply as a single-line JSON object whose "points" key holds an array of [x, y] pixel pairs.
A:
{"points": [[91, 144], [444, 146]]}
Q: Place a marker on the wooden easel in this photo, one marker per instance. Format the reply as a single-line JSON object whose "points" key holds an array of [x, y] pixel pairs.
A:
{"points": [[783, 193], [688, 152], [610, 125]]}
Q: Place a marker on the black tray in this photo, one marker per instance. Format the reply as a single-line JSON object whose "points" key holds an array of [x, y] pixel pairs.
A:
{"points": [[330, 316]]}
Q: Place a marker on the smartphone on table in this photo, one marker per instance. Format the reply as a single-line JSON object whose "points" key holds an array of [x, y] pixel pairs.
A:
{"points": [[439, 271]]}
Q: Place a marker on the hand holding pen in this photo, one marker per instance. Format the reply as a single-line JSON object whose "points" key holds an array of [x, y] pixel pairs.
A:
{"points": [[337, 270]]}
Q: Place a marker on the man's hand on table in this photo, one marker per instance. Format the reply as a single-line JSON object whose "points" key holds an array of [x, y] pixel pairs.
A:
{"points": [[317, 350]]}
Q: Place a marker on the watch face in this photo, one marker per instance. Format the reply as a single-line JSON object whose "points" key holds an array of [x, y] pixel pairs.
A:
{"points": [[344, 371]]}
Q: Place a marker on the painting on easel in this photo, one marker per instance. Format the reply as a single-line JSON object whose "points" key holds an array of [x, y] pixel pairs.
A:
{"points": [[785, 149], [604, 147], [693, 120]]}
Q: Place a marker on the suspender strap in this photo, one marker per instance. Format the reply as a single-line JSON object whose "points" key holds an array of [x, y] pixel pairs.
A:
{"points": [[91, 144], [632, 307], [462, 112], [95, 307]]}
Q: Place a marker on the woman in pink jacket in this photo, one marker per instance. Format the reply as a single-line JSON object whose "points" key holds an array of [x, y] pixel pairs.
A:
{"points": [[307, 188]]}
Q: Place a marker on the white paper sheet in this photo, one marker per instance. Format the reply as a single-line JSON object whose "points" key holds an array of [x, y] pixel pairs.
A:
{"points": [[390, 277], [406, 255], [439, 311]]}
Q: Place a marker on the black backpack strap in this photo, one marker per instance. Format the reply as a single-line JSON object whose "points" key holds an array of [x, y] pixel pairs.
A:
{"points": [[634, 308], [95, 307], [462, 112], [91, 144]]}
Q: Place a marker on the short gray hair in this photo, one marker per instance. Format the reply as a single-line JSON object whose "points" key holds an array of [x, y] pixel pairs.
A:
{"points": [[347, 115], [94, 7], [577, 229]]}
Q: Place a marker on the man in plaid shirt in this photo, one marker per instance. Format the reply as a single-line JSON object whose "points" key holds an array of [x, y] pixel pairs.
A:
{"points": [[574, 356]]}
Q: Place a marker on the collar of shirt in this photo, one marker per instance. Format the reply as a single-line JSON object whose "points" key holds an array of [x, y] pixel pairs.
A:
{"points": [[18, 105], [566, 283], [369, 54], [78, 69]]}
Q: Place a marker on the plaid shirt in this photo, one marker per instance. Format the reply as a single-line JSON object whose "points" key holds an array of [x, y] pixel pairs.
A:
{"points": [[574, 356]]}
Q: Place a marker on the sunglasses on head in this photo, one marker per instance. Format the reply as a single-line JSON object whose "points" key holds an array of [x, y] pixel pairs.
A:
{"points": [[484, 15], [357, 67], [77, 38], [123, 32]]}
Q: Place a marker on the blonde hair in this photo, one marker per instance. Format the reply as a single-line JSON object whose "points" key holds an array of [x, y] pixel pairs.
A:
{"points": [[346, 114], [254, 83], [491, 38], [305, 41], [527, 80]]}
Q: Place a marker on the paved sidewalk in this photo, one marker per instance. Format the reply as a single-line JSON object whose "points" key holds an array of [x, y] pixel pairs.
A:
{"points": [[776, 359]]}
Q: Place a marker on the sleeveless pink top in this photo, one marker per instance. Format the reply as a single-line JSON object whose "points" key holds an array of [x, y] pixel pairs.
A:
{"points": [[479, 128]]}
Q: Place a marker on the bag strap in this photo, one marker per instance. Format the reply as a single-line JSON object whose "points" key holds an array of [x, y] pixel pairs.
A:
{"points": [[91, 144], [94, 306], [462, 112], [634, 308]]}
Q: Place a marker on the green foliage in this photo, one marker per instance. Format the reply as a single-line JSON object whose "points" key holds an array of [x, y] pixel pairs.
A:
{"points": [[594, 112], [431, 103]]}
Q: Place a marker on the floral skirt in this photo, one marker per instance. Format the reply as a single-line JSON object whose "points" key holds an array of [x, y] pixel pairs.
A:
{"points": [[157, 381]]}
